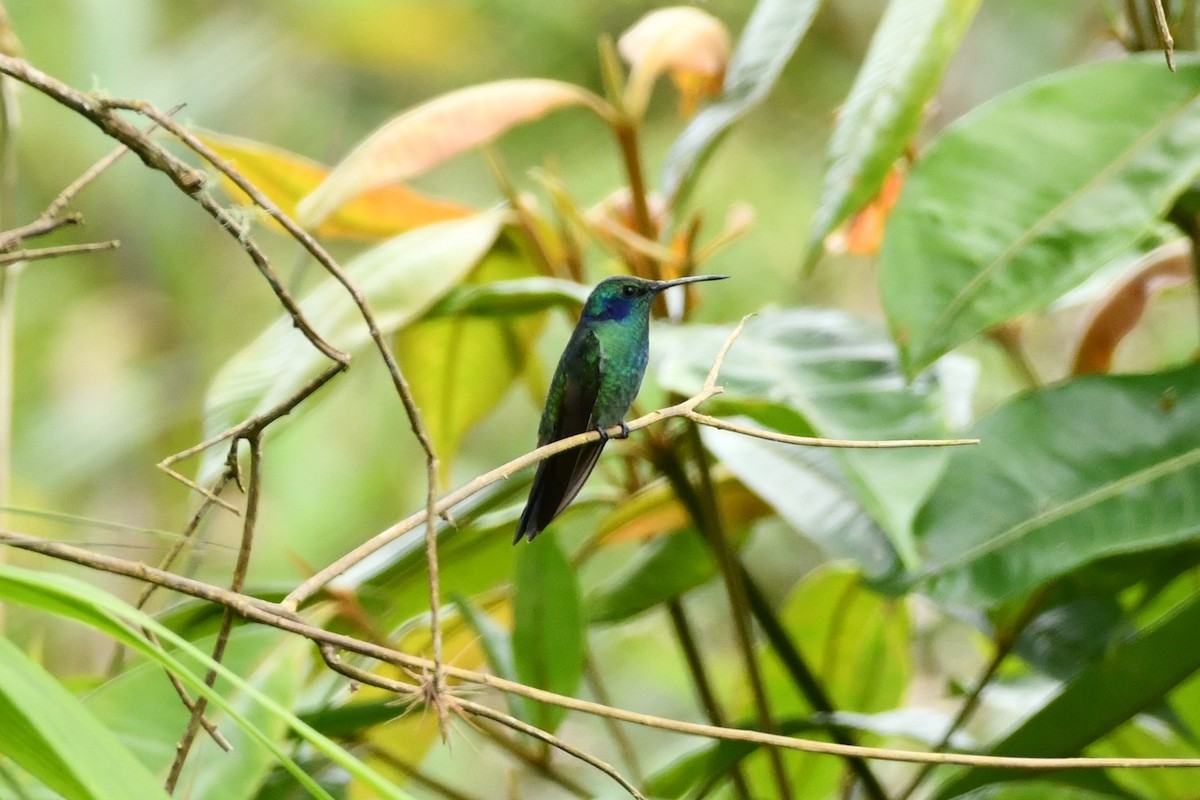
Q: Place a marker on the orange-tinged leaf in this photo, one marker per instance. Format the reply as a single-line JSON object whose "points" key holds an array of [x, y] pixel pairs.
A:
{"points": [[692, 45], [863, 233], [434, 132], [285, 177], [1164, 267]]}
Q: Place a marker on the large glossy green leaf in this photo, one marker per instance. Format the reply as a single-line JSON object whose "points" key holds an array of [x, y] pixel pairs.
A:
{"points": [[46, 731], [548, 634], [807, 372], [764, 48], [1130, 677], [1064, 476], [1030, 194], [902, 70], [73, 599], [810, 491], [399, 279], [460, 365]]}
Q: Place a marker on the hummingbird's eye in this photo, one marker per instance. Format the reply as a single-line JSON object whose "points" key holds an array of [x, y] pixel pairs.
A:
{"points": [[629, 290]]}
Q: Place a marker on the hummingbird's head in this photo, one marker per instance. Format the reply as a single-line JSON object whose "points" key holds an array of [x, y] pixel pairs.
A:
{"points": [[616, 298]]}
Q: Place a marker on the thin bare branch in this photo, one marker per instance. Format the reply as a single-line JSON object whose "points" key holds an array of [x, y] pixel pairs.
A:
{"points": [[416, 423], [101, 113], [249, 521], [55, 252], [276, 616], [541, 735], [1164, 34], [245, 430], [188, 702]]}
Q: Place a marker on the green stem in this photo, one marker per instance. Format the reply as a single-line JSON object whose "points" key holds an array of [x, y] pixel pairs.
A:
{"points": [[691, 654], [807, 682], [703, 508]]}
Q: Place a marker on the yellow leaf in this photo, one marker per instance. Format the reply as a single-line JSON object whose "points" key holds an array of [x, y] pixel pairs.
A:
{"points": [[285, 177], [692, 45], [656, 511], [433, 132]]}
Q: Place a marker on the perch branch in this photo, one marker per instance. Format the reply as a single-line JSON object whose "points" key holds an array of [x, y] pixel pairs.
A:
{"points": [[276, 616], [686, 409]]}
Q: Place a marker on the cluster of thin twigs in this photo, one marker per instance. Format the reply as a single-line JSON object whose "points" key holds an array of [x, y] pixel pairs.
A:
{"points": [[427, 676]]}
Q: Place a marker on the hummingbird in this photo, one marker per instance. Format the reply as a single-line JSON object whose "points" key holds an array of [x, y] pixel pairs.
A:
{"points": [[597, 378]]}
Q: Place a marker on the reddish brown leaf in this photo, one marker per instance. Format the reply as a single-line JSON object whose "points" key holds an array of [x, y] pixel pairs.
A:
{"points": [[1165, 267], [433, 132]]}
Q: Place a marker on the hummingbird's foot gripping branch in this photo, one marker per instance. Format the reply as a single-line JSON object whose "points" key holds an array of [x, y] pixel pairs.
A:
{"points": [[605, 435]]}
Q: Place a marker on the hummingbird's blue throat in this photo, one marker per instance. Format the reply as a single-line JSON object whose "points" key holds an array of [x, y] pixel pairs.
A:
{"points": [[615, 309]]}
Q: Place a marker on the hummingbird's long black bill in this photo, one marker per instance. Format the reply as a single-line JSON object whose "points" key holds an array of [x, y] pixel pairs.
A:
{"points": [[662, 285]]}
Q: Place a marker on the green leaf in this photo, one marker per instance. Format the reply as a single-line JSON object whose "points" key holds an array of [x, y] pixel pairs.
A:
{"points": [[51, 735], [64, 596], [664, 568], [505, 298], [1027, 196], [145, 711], [810, 491], [1130, 677], [460, 365], [766, 45], [807, 372], [1090, 468], [399, 279], [547, 634], [902, 70]]}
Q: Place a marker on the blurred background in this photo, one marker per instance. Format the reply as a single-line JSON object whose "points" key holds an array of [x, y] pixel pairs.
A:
{"points": [[115, 350]]}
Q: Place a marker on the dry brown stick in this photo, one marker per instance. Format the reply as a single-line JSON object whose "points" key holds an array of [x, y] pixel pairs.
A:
{"points": [[413, 693], [685, 409], [249, 521], [55, 252], [276, 616], [245, 429], [187, 700], [101, 113], [541, 735], [416, 423], [533, 761], [1164, 34]]}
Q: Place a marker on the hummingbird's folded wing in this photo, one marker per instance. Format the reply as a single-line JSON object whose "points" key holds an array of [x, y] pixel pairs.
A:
{"points": [[560, 477]]}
